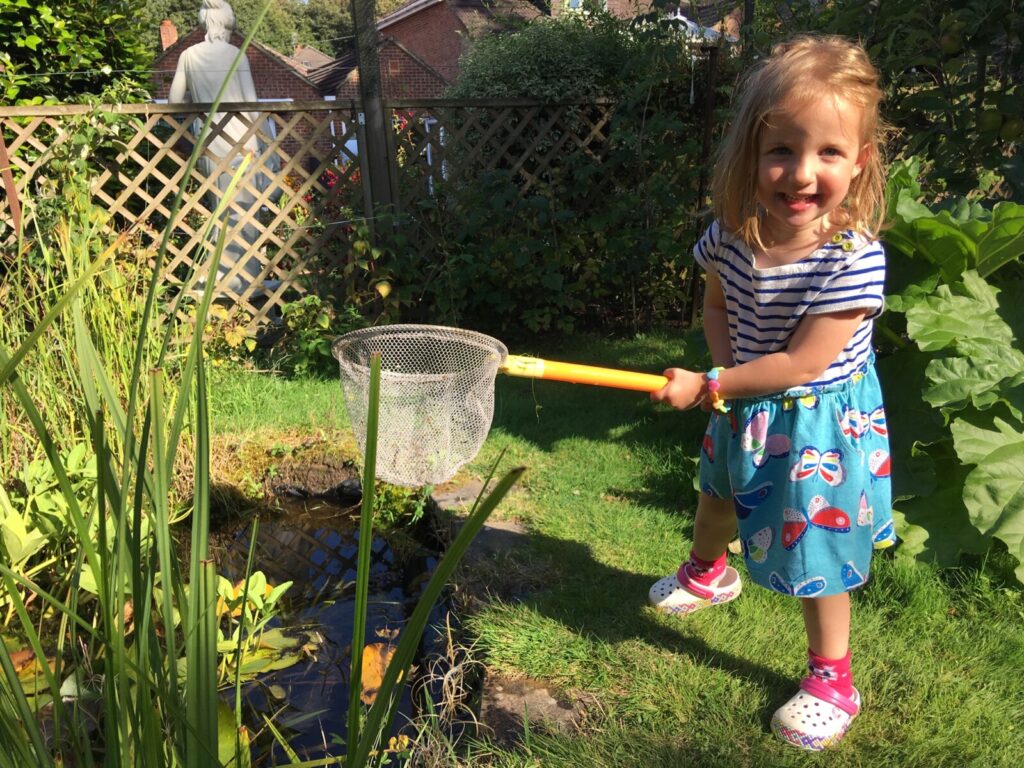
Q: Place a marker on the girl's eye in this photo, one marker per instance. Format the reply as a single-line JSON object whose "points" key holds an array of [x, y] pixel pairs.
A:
{"points": [[778, 150], [832, 152]]}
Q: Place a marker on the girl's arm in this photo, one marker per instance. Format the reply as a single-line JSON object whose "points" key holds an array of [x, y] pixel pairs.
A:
{"points": [[817, 342], [716, 322]]}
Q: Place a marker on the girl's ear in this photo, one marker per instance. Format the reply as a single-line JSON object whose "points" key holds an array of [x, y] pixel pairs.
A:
{"points": [[863, 158]]}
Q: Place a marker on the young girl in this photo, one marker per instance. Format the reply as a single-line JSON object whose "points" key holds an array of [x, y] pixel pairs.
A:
{"points": [[797, 447]]}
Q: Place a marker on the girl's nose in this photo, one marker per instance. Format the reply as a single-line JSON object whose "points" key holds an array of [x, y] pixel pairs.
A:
{"points": [[803, 169]]}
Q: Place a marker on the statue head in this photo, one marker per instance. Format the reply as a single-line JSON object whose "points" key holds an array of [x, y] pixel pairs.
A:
{"points": [[218, 19]]}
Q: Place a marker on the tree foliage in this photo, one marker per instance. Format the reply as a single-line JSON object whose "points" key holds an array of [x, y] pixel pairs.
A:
{"points": [[323, 24], [958, 387], [64, 51], [570, 57], [326, 25], [954, 75], [602, 237], [278, 29]]}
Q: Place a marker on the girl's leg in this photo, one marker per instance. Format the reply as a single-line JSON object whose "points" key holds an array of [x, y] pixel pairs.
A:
{"points": [[713, 528], [822, 710], [827, 621], [703, 580]]}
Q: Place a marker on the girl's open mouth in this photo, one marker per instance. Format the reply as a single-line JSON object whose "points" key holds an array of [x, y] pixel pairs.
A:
{"points": [[799, 202]]}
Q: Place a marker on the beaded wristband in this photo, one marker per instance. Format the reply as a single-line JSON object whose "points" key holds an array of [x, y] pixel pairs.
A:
{"points": [[713, 385]]}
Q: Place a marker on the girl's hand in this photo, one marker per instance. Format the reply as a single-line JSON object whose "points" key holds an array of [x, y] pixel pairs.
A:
{"points": [[685, 389]]}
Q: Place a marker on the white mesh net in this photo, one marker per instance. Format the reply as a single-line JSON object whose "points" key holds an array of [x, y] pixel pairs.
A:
{"points": [[436, 397]]}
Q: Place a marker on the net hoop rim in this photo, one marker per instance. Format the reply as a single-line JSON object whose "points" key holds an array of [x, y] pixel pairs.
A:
{"points": [[447, 333]]}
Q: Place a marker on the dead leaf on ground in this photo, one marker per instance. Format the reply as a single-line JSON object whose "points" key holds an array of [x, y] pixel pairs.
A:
{"points": [[20, 660]]}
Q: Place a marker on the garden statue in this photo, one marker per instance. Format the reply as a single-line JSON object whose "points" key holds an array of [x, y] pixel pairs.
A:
{"points": [[200, 74]]}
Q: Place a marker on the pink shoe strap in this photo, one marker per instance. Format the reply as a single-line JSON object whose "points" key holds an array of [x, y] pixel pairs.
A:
{"points": [[822, 690], [687, 583]]}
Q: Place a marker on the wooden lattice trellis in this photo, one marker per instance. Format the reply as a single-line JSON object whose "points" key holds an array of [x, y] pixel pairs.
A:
{"points": [[275, 217], [292, 207]]}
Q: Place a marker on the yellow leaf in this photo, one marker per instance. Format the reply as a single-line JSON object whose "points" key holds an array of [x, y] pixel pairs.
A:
{"points": [[22, 660], [376, 657], [234, 338], [383, 288]]}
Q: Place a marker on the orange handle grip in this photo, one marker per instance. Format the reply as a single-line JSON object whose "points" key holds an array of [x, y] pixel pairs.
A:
{"points": [[535, 368]]}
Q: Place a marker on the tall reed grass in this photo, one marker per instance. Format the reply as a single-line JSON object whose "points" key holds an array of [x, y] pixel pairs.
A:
{"points": [[50, 257], [126, 671], [113, 657]]}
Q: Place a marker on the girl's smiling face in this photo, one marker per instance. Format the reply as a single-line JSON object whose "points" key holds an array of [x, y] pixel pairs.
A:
{"points": [[809, 153]]}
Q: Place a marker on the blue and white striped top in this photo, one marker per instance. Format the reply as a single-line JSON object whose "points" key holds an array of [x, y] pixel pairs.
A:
{"points": [[765, 305]]}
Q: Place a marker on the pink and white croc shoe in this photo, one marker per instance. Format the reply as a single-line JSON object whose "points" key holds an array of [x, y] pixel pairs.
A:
{"points": [[678, 594], [816, 717]]}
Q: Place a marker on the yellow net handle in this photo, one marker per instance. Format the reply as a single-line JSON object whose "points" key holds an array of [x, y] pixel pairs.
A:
{"points": [[535, 368]]}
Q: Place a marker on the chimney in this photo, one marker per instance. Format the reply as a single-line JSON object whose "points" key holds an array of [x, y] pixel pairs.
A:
{"points": [[168, 34]]}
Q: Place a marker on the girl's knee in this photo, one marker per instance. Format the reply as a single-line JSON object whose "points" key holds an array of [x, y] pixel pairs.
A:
{"points": [[715, 505]]}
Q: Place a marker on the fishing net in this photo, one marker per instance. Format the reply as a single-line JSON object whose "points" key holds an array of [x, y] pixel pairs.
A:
{"points": [[436, 397]]}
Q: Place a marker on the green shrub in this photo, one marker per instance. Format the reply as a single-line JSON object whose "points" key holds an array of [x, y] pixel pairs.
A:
{"points": [[602, 236], [957, 391], [60, 52], [570, 57]]}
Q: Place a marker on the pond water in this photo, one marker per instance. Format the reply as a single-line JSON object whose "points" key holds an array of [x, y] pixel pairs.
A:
{"points": [[314, 543]]}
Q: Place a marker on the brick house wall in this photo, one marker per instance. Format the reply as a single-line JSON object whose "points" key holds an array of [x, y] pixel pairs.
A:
{"points": [[436, 35], [622, 9], [419, 55], [627, 9], [403, 76], [422, 42]]}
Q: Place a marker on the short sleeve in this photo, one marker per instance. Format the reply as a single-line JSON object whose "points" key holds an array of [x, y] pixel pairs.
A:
{"points": [[705, 251], [858, 282]]}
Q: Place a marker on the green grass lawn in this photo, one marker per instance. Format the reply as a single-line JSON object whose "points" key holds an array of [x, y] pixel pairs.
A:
{"points": [[607, 502]]}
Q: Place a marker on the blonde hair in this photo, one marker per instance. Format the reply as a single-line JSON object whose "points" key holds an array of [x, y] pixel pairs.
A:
{"points": [[803, 68]]}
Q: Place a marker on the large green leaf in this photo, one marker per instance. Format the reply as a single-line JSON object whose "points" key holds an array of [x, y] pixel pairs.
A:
{"points": [[909, 277], [912, 422], [904, 209], [936, 526], [994, 489], [1004, 241], [954, 380], [948, 320], [967, 320], [942, 241], [909, 209]]}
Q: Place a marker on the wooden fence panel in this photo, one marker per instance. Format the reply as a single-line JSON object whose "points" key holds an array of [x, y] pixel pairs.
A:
{"points": [[444, 144], [293, 205]]}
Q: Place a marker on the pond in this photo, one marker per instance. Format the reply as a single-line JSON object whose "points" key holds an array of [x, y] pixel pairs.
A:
{"points": [[312, 541]]}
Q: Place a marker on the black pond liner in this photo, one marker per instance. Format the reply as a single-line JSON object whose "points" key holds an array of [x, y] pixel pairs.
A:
{"points": [[313, 542]]}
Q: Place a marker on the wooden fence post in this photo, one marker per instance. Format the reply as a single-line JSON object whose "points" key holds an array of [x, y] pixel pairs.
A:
{"points": [[374, 158], [9, 186]]}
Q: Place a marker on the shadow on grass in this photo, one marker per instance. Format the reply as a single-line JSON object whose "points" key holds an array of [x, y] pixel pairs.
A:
{"points": [[562, 581], [543, 414]]}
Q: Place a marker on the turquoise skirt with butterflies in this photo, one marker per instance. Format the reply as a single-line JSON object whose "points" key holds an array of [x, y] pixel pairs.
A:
{"points": [[808, 472]]}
